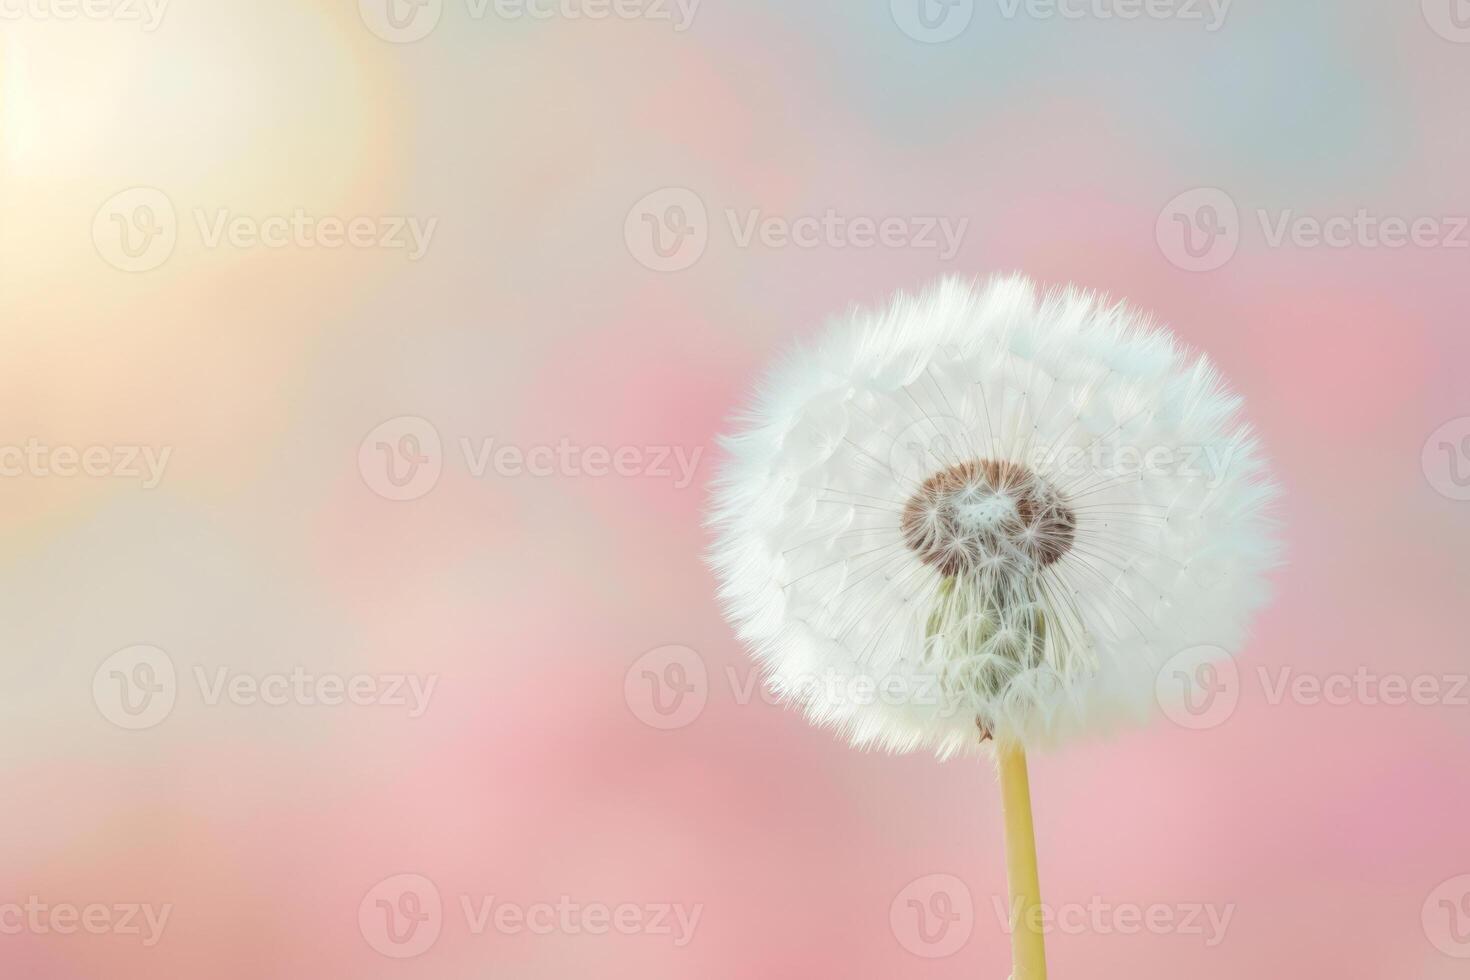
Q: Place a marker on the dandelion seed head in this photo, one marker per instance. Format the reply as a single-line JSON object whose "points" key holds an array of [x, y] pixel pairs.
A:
{"points": [[981, 502]]}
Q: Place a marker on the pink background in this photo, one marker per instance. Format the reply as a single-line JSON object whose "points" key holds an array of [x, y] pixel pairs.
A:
{"points": [[532, 319]]}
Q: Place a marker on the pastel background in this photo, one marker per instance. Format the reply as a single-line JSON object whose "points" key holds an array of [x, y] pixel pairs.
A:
{"points": [[292, 385]]}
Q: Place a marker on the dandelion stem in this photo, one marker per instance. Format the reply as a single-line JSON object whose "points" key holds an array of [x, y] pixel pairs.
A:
{"points": [[1028, 944]]}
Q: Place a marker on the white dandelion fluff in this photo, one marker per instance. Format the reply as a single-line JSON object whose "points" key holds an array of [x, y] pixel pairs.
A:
{"points": [[985, 513]]}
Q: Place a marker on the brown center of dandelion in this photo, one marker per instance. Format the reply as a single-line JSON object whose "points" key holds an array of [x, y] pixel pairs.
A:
{"points": [[987, 515]]}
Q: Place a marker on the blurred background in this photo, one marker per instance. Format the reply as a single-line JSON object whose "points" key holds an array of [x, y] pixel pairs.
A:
{"points": [[362, 367]]}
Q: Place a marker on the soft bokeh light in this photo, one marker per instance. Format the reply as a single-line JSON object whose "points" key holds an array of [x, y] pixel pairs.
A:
{"points": [[266, 543]]}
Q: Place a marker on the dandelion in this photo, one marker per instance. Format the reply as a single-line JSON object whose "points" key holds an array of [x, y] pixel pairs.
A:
{"points": [[992, 516]]}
